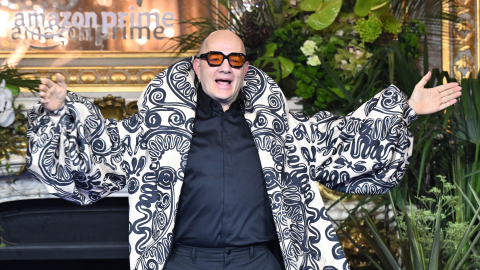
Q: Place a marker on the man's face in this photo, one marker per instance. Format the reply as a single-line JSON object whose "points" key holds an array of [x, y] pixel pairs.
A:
{"points": [[222, 83]]}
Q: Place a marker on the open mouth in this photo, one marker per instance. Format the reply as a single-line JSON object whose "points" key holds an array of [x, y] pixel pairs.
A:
{"points": [[224, 82]]}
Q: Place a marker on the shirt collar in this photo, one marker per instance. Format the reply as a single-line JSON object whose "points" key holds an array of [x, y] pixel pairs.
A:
{"points": [[209, 106]]}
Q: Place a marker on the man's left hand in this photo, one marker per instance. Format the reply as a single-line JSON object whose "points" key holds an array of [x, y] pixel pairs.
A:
{"points": [[430, 100]]}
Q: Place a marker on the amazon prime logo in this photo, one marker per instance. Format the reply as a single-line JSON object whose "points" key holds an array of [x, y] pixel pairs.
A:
{"points": [[55, 29]]}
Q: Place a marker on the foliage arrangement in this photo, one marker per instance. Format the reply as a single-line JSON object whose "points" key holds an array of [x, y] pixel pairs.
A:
{"points": [[13, 133], [333, 54], [428, 236]]}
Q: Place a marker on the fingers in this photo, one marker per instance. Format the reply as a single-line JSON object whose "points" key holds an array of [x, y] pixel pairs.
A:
{"points": [[450, 91], [48, 87], [44, 97], [448, 98], [424, 80], [448, 86], [60, 80], [47, 82], [448, 104]]}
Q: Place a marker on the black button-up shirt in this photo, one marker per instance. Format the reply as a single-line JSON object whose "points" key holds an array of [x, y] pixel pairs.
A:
{"points": [[224, 199]]}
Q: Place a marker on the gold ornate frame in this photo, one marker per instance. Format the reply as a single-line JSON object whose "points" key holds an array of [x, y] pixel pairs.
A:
{"points": [[109, 71], [460, 41]]}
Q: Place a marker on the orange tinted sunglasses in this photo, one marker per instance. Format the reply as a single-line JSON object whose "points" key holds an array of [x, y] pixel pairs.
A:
{"points": [[215, 59]]}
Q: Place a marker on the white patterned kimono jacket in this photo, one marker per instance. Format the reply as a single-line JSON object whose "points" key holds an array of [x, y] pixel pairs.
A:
{"points": [[82, 158]]}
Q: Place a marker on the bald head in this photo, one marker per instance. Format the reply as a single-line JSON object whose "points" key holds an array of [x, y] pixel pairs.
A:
{"points": [[221, 82], [220, 36]]}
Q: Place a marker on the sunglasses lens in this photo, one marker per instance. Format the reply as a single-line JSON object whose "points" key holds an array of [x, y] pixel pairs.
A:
{"points": [[215, 59], [236, 60]]}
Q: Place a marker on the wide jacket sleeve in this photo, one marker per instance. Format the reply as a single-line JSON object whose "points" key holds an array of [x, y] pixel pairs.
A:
{"points": [[367, 151], [74, 152]]}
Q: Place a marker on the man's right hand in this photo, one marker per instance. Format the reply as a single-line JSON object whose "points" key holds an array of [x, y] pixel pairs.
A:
{"points": [[53, 94]]}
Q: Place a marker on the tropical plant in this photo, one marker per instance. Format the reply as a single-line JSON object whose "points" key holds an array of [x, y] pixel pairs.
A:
{"points": [[428, 236], [463, 127], [13, 133]]}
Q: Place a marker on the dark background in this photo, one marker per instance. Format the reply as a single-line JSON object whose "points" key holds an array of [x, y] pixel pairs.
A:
{"points": [[56, 234]]}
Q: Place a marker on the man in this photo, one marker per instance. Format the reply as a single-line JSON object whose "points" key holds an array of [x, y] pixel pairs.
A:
{"points": [[200, 198]]}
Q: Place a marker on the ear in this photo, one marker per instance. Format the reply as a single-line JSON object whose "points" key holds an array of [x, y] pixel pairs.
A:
{"points": [[246, 68], [196, 67]]}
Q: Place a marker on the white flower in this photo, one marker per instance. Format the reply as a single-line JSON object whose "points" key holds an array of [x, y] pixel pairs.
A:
{"points": [[344, 62], [308, 47], [350, 49], [339, 32], [358, 53], [313, 60]]}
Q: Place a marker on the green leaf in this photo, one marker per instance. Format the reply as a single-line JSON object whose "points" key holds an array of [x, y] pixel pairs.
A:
{"points": [[2, 245], [466, 199], [415, 247], [476, 97], [470, 249], [380, 6], [474, 195], [286, 65], [338, 92], [426, 150], [14, 89], [362, 8], [463, 242], [370, 240], [325, 16], [392, 263], [310, 5], [277, 5], [435, 254], [379, 9], [391, 67], [271, 66], [360, 248], [335, 79], [270, 49]]}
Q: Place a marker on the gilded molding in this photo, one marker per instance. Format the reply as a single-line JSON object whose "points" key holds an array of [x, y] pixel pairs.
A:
{"points": [[459, 41], [477, 25], [101, 79], [114, 107], [446, 40], [101, 54]]}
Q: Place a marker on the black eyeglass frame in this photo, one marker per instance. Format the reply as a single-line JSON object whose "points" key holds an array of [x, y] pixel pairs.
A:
{"points": [[205, 57]]}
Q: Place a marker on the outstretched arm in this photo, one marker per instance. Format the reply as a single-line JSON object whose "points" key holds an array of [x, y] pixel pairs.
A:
{"points": [[72, 150], [367, 151], [430, 100]]}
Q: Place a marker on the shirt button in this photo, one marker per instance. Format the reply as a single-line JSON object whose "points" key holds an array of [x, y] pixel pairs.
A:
{"points": [[228, 252]]}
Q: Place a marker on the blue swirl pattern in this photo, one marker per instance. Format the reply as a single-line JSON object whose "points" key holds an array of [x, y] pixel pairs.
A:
{"points": [[81, 157]]}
